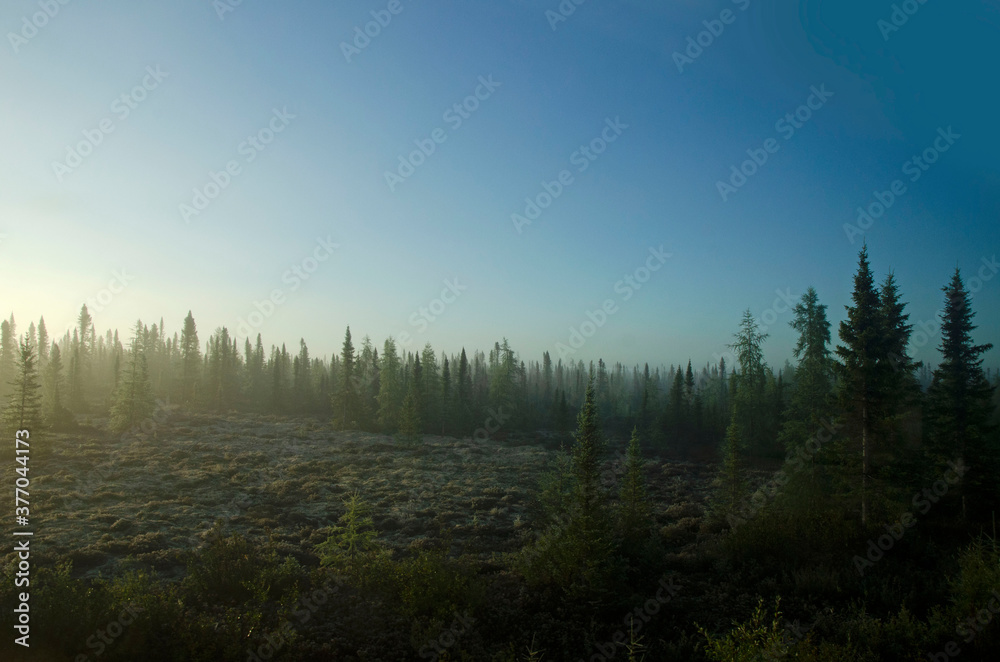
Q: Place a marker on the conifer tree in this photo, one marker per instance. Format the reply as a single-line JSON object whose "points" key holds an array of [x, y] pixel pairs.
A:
{"points": [[54, 412], [731, 484], [390, 394], [346, 392], [960, 404], [748, 402], [463, 396], [8, 354], [190, 360], [861, 370], [410, 423], [811, 400], [901, 390], [635, 515], [447, 405], [24, 410], [133, 402]]}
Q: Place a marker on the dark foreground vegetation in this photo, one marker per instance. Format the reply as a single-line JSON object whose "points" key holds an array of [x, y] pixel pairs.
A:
{"points": [[405, 507]]}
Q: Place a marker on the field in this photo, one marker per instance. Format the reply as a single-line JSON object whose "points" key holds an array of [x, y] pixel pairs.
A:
{"points": [[109, 504]]}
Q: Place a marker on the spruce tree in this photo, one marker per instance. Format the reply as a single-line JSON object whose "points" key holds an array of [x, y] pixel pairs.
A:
{"points": [[748, 402], [731, 483], [56, 414], [960, 405], [463, 396], [635, 515], [390, 393], [901, 390], [24, 408], [133, 403], [346, 390], [190, 360], [811, 400], [410, 424], [861, 370]]}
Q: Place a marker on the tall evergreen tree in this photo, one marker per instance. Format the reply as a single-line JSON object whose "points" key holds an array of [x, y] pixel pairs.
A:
{"points": [[861, 370], [133, 402], [8, 354], [390, 394], [811, 400], [24, 409], [634, 512], [748, 402], [960, 404], [410, 423], [346, 388], [463, 396], [901, 389], [190, 360], [56, 415]]}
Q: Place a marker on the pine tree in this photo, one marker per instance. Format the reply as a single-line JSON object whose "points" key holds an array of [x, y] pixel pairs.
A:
{"points": [[811, 400], [861, 370], [346, 392], [57, 416], [410, 424], [24, 409], [8, 354], [430, 413], [447, 405], [748, 402], [463, 396], [390, 392], [960, 404], [731, 484], [590, 530], [901, 390], [133, 403], [635, 514], [190, 360], [43, 344]]}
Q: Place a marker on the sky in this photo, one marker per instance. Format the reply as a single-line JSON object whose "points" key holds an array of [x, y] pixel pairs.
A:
{"points": [[565, 176]]}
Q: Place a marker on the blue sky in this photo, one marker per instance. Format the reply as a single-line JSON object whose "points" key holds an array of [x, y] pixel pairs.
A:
{"points": [[225, 76]]}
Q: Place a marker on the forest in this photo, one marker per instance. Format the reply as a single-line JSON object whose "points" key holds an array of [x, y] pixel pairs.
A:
{"points": [[839, 507]]}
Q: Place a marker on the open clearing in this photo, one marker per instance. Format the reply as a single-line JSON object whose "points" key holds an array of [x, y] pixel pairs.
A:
{"points": [[108, 503]]}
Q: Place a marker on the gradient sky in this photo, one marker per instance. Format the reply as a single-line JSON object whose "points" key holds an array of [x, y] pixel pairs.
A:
{"points": [[323, 176]]}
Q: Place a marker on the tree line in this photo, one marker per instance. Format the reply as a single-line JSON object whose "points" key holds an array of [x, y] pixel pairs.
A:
{"points": [[893, 417]]}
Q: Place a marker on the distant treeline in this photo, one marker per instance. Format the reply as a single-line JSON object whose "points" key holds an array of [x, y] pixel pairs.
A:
{"points": [[682, 409]]}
